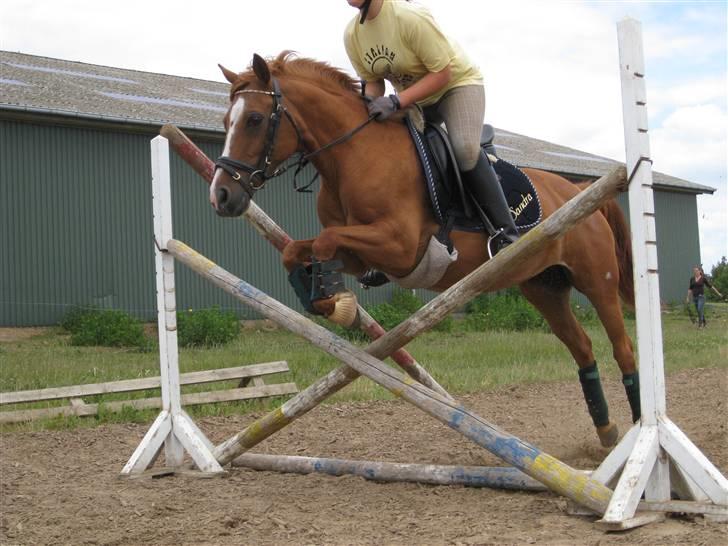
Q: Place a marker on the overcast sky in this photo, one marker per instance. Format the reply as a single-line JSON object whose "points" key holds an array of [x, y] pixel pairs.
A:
{"points": [[551, 67]]}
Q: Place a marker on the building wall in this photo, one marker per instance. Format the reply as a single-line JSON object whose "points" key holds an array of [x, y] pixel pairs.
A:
{"points": [[76, 228], [678, 241]]}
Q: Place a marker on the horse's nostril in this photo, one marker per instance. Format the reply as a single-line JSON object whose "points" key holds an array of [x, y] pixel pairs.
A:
{"points": [[222, 196]]}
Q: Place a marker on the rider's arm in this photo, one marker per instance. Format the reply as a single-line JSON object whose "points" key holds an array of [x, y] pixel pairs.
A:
{"points": [[374, 88], [427, 86]]}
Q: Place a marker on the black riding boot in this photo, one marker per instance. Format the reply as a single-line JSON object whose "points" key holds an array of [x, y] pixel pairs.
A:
{"points": [[486, 190]]}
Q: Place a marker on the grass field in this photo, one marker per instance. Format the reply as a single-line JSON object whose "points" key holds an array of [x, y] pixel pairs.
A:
{"points": [[461, 361]]}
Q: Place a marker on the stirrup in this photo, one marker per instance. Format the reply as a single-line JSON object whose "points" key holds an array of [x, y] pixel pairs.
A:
{"points": [[501, 241], [372, 278]]}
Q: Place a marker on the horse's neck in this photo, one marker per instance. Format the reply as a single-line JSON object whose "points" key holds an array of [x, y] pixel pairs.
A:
{"points": [[323, 117]]}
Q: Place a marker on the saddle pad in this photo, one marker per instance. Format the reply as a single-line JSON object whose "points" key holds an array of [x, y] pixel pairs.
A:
{"points": [[445, 189], [520, 195]]}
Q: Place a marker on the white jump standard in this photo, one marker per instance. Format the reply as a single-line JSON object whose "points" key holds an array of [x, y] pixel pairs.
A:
{"points": [[173, 428], [655, 446]]}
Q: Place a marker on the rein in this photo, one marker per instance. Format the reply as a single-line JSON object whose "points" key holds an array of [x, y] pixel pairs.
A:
{"points": [[258, 175]]}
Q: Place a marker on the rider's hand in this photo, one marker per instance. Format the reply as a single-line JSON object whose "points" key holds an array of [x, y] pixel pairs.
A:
{"points": [[383, 107]]}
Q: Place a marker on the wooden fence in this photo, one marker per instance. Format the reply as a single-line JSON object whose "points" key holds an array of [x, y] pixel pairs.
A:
{"points": [[74, 393]]}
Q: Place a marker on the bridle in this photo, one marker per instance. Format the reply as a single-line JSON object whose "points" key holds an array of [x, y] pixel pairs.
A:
{"points": [[259, 174]]}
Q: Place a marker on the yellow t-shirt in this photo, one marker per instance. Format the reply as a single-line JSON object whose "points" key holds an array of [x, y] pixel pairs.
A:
{"points": [[402, 44]]}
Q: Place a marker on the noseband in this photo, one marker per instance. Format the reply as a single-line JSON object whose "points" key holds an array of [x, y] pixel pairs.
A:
{"points": [[258, 174]]}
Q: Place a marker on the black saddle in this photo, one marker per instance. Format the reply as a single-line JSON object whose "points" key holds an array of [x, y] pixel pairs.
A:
{"points": [[451, 203]]}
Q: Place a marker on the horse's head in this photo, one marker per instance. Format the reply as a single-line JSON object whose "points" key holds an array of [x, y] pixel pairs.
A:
{"points": [[257, 138]]}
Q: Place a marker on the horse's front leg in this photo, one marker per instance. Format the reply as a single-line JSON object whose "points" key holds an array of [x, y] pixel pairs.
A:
{"points": [[300, 252], [379, 246], [320, 289]]}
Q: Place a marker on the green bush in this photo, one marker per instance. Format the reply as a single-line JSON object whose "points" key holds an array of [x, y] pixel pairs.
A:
{"points": [[206, 327], [507, 310], [585, 314], [403, 304], [389, 314], [719, 279], [71, 321], [350, 334], [104, 327]]}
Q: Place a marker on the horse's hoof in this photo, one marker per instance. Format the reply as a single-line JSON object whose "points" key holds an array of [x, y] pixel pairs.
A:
{"points": [[345, 309], [608, 435]]}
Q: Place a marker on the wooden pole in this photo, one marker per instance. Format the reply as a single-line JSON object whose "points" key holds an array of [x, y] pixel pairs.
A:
{"points": [[543, 467], [277, 237], [470, 476], [130, 385], [80, 408]]}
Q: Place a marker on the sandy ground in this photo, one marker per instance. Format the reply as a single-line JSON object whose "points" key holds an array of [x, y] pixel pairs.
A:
{"points": [[63, 487]]}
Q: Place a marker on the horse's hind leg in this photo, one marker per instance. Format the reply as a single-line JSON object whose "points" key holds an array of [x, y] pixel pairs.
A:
{"points": [[608, 308], [552, 300]]}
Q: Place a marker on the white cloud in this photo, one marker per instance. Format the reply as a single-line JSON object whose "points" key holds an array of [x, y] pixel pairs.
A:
{"points": [[690, 138], [700, 120], [666, 95]]}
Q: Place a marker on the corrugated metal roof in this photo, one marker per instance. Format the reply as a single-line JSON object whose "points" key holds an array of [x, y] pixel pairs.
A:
{"points": [[540, 154], [56, 86], [73, 88]]}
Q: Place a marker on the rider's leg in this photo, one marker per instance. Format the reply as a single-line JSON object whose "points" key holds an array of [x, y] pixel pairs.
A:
{"points": [[486, 189], [462, 109]]}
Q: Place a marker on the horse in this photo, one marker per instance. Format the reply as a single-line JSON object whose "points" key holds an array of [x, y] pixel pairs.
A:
{"points": [[375, 211]]}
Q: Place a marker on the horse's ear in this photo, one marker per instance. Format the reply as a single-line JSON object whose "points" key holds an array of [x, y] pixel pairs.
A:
{"points": [[230, 76], [260, 67]]}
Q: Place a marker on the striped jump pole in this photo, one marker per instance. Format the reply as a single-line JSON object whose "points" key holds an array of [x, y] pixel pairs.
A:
{"points": [[277, 237], [556, 475], [553, 473], [431, 474]]}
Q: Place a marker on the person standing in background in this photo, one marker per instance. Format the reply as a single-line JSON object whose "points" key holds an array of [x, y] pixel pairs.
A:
{"points": [[696, 291]]}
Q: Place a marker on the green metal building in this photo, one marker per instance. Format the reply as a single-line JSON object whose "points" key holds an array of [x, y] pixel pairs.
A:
{"points": [[76, 209]]}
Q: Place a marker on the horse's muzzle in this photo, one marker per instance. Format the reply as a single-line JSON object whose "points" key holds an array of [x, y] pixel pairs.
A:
{"points": [[229, 201]]}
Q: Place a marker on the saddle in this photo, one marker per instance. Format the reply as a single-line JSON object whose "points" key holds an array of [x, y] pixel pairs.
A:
{"points": [[452, 204]]}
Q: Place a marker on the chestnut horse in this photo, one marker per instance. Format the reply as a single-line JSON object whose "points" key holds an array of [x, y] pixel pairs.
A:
{"points": [[375, 210]]}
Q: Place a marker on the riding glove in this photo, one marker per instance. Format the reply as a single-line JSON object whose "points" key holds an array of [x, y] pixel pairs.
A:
{"points": [[382, 107]]}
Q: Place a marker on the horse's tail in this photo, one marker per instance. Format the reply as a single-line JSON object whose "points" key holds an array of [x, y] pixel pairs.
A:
{"points": [[622, 247]]}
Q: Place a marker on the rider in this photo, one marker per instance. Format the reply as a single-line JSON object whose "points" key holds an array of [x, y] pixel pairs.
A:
{"points": [[400, 42]]}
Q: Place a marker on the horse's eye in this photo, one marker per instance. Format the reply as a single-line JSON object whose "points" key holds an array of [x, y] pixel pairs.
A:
{"points": [[254, 120]]}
